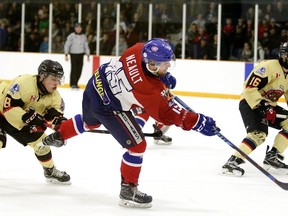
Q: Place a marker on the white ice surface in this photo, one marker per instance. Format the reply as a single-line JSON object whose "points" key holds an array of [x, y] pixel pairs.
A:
{"points": [[183, 178]]}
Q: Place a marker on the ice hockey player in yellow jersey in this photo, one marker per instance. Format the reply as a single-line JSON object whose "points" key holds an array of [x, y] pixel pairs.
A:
{"points": [[267, 82], [27, 105]]}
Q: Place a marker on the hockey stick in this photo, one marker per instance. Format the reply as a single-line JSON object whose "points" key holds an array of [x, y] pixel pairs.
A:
{"points": [[157, 133], [282, 116], [279, 183]]}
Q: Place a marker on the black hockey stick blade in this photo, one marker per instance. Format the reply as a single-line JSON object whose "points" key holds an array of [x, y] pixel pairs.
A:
{"points": [[279, 183], [157, 133]]}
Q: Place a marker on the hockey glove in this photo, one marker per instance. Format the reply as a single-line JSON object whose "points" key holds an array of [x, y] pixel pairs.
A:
{"points": [[205, 125], [34, 121], [267, 111], [57, 122], [169, 80], [54, 118]]}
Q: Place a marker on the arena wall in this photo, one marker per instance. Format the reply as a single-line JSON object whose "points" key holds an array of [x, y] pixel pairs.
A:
{"points": [[202, 78]]}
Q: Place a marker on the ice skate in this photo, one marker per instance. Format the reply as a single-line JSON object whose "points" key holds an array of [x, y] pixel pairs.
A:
{"points": [[273, 162], [55, 176], [163, 140], [54, 139], [231, 167], [131, 197]]}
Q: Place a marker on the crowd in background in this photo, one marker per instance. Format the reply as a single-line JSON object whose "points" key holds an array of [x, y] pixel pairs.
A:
{"points": [[237, 33]]}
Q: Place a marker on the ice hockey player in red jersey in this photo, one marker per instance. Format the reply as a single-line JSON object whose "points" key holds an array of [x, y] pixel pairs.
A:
{"points": [[266, 83], [118, 86]]}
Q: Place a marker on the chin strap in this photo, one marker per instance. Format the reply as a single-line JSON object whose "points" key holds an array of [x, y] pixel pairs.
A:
{"points": [[41, 87]]}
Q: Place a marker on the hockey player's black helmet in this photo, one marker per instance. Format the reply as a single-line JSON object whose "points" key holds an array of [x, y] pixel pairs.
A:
{"points": [[54, 68], [283, 54]]}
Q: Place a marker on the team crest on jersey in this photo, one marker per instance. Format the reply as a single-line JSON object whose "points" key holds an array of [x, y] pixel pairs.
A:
{"points": [[15, 88], [261, 70]]}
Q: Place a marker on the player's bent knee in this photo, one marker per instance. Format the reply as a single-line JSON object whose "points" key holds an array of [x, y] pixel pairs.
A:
{"points": [[257, 136], [42, 150], [140, 148]]}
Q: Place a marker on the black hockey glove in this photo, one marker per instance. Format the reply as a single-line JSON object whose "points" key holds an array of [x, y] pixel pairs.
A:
{"points": [[267, 111], [54, 118], [34, 121]]}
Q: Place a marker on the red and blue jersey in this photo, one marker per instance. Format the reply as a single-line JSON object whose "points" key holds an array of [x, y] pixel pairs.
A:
{"points": [[123, 84]]}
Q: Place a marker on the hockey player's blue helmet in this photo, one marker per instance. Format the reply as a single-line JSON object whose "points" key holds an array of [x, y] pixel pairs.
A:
{"points": [[54, 68], [158, 50], [283, 55]]}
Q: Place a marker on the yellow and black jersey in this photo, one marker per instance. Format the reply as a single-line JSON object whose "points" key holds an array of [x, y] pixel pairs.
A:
{"points": [[22, 93], [267, 81]]}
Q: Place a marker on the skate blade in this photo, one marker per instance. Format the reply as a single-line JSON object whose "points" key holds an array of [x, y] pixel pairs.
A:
{"points": [[236, 173], [279, 171], [55, 181], [160, 142], [132, 204]]}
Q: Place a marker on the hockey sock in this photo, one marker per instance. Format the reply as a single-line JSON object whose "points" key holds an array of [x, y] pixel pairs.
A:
{"points": [[132, 162], [72, 127], [281, 141]]}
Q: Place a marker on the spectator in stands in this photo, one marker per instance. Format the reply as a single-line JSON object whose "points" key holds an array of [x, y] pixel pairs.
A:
{"points": [[268, 12], [44, 45], [202, 49], [260, 52], [275, 25], [68, 29], [12, 39], [265, 42], [58, 45], [131, 36], [238, 43], [262, 27], [32, 44], [213, 46], [247, 53], [212, 12], [250, 14], [202, 35], [192, 34], [249, 30], [122, 46], [227, 37], [105, 45], [281, 12], [92, 43], [274, 39], [200, 20]]}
